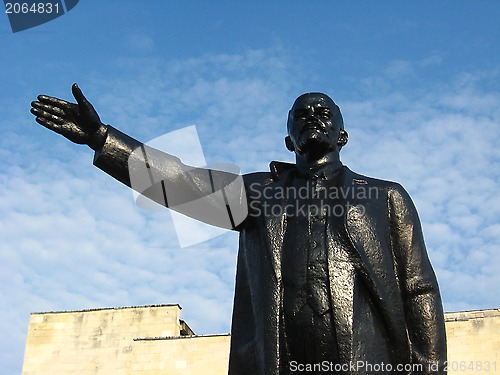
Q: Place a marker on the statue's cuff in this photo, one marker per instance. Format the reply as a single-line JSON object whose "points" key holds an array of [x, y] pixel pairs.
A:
{"points": [[98, 138]]}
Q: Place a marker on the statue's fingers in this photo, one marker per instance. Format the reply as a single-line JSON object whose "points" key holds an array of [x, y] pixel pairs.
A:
{"points": [[48, 108], [48, 124], [40, 113], [37, 112], [50, 100]]}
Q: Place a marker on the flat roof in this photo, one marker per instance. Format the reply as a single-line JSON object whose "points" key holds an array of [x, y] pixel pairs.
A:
{"points": [[106, 308], [159, 338], [471, 314]]}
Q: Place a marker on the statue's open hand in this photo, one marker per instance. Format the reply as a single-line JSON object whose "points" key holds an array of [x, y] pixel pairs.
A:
{"points": [[79, 122]]}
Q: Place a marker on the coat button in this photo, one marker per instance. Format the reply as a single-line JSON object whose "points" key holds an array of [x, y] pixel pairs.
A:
{"points": [[314, 244]]}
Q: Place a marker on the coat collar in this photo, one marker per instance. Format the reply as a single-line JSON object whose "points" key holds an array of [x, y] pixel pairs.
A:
{"points": [[279, 168]]}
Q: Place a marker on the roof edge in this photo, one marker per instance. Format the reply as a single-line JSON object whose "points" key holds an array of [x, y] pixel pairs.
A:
{"points": [[105, 308]]}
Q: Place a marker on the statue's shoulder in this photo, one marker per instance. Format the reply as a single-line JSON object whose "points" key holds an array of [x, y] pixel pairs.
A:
{"points": [[277, 170], [260, 178], [353, 178], [280, 169]]}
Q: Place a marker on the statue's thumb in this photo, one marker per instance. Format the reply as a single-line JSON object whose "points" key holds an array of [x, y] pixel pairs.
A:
{"points": [[77, 93]]}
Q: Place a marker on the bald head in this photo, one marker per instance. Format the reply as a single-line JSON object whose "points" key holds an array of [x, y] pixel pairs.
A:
{"points": [[315, 125], [318, 99]]}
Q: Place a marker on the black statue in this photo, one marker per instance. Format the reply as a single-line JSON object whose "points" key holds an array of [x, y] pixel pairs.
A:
{"points": [[332, 276]]}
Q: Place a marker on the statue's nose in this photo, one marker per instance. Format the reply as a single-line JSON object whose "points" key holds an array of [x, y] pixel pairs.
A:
{"points": [[311, 116]]}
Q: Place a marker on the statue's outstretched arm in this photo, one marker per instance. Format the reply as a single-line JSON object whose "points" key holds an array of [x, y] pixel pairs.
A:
{"points": [[206, 195]]}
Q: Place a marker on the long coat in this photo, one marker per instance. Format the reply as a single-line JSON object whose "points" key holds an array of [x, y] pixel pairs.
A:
{"points": [[384, 232]]}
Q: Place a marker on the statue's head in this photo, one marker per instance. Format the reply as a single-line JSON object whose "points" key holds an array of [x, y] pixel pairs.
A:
{"points": [[315, 125]]}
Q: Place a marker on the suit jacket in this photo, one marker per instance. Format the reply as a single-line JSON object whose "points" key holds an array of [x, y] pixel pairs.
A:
{"points": [[384, 231]]}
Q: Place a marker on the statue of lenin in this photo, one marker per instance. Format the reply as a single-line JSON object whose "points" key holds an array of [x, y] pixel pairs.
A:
{"points": [[332, 275]]}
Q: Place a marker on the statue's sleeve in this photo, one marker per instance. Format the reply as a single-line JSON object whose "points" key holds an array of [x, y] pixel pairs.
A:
{"points": [[423, 306], [214, 197]]}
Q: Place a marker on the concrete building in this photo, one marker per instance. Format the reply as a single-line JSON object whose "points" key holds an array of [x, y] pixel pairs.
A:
{"points": [[473, 342], [154, 340], [131, 340]]}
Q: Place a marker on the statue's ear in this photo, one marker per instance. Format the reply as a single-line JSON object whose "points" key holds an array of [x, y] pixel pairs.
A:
{"points": [[289, 144], [343, 138]]}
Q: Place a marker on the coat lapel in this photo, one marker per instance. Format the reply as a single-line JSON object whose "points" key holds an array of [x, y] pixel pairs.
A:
{"points": [[365, 224], [276, 224]]}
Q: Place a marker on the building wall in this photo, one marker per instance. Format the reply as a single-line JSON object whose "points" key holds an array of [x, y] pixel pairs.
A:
{"points": [[186, 355], [152, 340], [93, 342], [473, 342]]}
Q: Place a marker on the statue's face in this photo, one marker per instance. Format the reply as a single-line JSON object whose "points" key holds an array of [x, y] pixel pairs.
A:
{"points": [[314, 124]]}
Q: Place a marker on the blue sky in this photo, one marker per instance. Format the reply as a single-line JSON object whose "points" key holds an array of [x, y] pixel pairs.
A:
{"points": [[417, 83]]}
